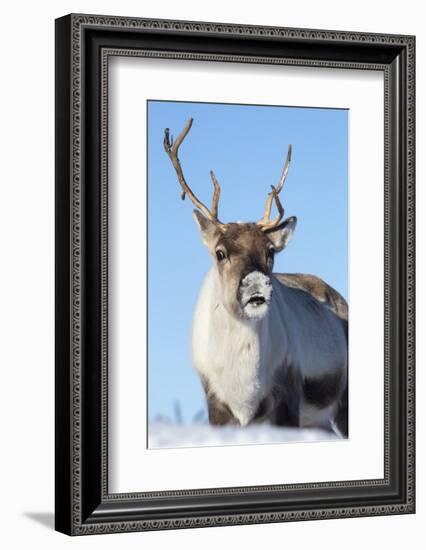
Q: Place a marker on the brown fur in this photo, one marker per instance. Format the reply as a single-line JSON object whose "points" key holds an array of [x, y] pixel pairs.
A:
{"points": [[323, 391], [246, 244], [317, 288], [219, 413], [287, 394]]}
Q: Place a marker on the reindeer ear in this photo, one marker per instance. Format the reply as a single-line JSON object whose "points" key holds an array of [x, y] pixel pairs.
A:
{"points": [[283, 234], [208, 229]]}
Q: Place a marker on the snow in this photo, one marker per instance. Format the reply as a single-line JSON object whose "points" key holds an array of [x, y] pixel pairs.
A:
{"points": [[167, 435]]}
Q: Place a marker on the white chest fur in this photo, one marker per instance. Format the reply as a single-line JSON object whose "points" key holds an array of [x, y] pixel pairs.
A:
{"points": [[231, 354]]}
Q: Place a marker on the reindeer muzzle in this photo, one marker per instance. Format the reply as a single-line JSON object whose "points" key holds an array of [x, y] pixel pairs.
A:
{"points": [[255, 294]]}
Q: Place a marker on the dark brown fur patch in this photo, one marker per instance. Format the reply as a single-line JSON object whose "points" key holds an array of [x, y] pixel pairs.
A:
{"points": [[287, 393], [263, 410], [247, 246], [322, 391], [219, 413], [341, 420]]}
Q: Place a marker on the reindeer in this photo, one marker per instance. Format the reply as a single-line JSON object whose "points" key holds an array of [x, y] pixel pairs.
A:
{"points": [[268, 347]]}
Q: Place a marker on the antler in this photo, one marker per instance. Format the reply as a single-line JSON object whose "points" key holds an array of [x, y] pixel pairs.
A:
{"points": [[265, 223], [172, 149]]}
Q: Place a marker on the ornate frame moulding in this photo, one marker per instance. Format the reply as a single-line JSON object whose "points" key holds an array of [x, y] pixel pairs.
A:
{"points": [[84, 44]]}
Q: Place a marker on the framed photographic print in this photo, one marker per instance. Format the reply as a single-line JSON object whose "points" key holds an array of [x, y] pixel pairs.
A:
{"points": [[234, 274]]}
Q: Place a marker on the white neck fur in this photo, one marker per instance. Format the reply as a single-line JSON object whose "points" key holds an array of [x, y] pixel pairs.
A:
{"points": [[237, 357]]}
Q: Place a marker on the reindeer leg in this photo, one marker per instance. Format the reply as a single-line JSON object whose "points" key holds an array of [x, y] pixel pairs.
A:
{"points": [[219, 413], [341, 419]]}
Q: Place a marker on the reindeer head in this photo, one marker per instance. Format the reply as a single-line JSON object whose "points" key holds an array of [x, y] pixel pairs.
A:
{"points": [[243, 253]]}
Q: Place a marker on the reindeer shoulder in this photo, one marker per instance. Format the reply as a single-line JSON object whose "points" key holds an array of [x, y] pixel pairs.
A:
{"points": [[318, 289]]}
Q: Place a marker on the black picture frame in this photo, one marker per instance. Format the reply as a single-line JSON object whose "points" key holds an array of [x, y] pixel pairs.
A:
{"points": [[83, 504]]}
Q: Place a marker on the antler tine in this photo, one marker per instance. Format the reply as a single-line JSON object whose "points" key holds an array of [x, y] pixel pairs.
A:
{"points": [[285, 170], [216, 195], [265, 223], [172, 149]]}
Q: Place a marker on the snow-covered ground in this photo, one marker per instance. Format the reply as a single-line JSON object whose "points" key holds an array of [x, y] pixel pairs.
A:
{"points": [[166, 435]]}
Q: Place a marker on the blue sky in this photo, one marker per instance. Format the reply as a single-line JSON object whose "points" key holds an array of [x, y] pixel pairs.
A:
{"points": [[246, 146]]}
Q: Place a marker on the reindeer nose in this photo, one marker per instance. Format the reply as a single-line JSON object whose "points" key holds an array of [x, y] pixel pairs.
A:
{"points": [[255, 294], [256, 280]]}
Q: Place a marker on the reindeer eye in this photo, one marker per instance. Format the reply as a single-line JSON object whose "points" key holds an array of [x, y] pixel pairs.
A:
{"points": [[220, 255]]}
